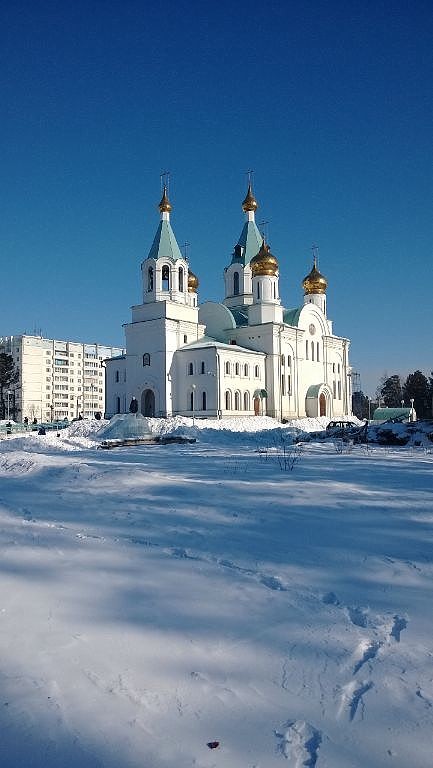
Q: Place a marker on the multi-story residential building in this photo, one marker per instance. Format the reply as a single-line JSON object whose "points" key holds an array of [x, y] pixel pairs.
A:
{"points": [[57, 379]]}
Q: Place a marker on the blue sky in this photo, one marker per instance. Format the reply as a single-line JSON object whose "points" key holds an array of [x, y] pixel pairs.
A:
{"points": [[330, 103]]}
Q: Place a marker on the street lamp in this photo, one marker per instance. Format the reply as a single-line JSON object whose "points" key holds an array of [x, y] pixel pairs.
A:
{"points": [[193, 404]]}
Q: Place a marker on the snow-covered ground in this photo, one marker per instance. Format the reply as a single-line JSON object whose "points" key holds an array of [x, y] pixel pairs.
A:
{"points": [[159, 598]]}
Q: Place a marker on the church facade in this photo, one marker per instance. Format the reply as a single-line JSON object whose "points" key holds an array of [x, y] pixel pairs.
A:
{"points": [[246, 355]]}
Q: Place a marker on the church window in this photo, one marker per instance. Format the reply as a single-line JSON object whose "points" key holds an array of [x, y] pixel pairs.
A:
{"points": [[334, 389], [333, 367], [339, 390], [338, 367], [190, 369], [246, 401], [236, 369], [150, 279], [185, 338], [246, 370], [283, 385], [312, 350], [165, 278], [228, 400], [257, 372], [289, 384], [289, 361], [203, 401], [202, 367], [318, 352], [283, 360], [181, 279], [146, 359], [236, 283], [227, 368], [191, 401], [275, 295], [237, 401], [117, 404], [117, 376], [306, 350], [258, 290]]}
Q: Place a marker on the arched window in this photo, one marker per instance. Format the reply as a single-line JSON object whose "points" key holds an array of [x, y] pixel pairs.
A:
{"points": [[203, 401], [283, 360], [117, 376], [117, 404], [150, 279], [283, 384], [165, 278], [191, 401], [312, 350], [258, 290], [246, 401], [289, 384], [318, 351], [190, 369], [181, 279], [236, 284], [257, 372], [202, 367], [275, 295], [146, 359], [237, 401], [227, 368], [289, 361], [306, 350], [228, 400], [246, 370], [237, 369]]}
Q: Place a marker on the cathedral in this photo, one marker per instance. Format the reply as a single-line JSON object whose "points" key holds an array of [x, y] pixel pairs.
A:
{"points": [[245, 356]]}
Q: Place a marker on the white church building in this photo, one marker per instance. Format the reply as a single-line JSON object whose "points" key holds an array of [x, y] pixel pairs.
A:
{"points": [[247, 355]]}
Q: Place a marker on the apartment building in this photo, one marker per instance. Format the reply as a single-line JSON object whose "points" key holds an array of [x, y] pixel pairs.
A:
{"points": [[57, 379]]}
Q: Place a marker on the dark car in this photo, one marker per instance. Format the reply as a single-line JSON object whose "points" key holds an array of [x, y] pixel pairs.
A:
{"points": [[341, 426]]}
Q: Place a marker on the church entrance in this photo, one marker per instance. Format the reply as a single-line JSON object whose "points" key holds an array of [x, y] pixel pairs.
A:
{"points": [[148, 403], [322, 405]]}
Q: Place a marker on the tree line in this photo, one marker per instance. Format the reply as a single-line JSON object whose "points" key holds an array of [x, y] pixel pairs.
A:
{"points": [[9, 376], [393, 391]]}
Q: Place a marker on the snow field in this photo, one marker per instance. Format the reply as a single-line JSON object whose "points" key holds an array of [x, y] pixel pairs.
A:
{"points": [[158, 598]]}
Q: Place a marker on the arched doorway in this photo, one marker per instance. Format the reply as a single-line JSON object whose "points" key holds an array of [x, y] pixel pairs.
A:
{"points": [[322, 405], [148, 403], [257, 406]]}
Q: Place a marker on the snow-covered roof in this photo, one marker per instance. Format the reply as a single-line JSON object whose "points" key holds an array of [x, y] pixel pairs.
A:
{"points": [[207, 341]]}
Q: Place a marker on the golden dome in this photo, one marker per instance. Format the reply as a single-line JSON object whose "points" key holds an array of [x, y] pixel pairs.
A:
{"points": [[250, 203], [192, 282], [165, 205], [314, 282], [264, 263]]}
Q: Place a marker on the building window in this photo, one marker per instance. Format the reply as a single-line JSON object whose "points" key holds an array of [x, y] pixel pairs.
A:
{"points": [[334, 390], [289, 361], [237, 401], [257, 372], [283, 360], [289, 384], [338, 367], [117, 404], [181, 279], [306, 350], [149, 281], [236, 284], [190, 369], [283, 385], [146, 359], [203, 401], [185, 338], [339, 390], [227, 368], [237, 369], [246, 401], [246, 370], [165, 278], [258, 290], [228, 400], [191, 401], [117, 378], [202, 367], [318, 352], [333, 367]]}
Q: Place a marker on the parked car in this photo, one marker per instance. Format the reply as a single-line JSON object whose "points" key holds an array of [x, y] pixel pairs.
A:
{"points": [[341, 425]]}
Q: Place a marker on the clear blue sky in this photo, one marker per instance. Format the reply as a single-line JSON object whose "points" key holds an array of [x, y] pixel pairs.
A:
{"points": [[330, 103]]}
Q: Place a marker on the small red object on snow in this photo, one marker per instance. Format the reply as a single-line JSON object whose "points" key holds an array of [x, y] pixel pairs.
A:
{"points": [[213, 744]]}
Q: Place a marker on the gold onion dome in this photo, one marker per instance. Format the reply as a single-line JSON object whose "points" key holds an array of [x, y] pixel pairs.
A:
{"points": [[192, 282], [314, 282], [264, 263], [250, 203], [165, 205]]}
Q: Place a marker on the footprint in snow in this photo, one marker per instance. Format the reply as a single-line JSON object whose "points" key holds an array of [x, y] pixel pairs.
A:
{"points": [[300, 743]]}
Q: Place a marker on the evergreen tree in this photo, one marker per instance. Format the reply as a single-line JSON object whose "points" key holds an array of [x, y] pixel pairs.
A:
{"points": [[417, 387], [8, 379], [391, 391]]}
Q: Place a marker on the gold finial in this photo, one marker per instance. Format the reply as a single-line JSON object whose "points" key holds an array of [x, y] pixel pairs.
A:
{"points": [[264, 263], [165, 205], [250, 203], [192, 282]]}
